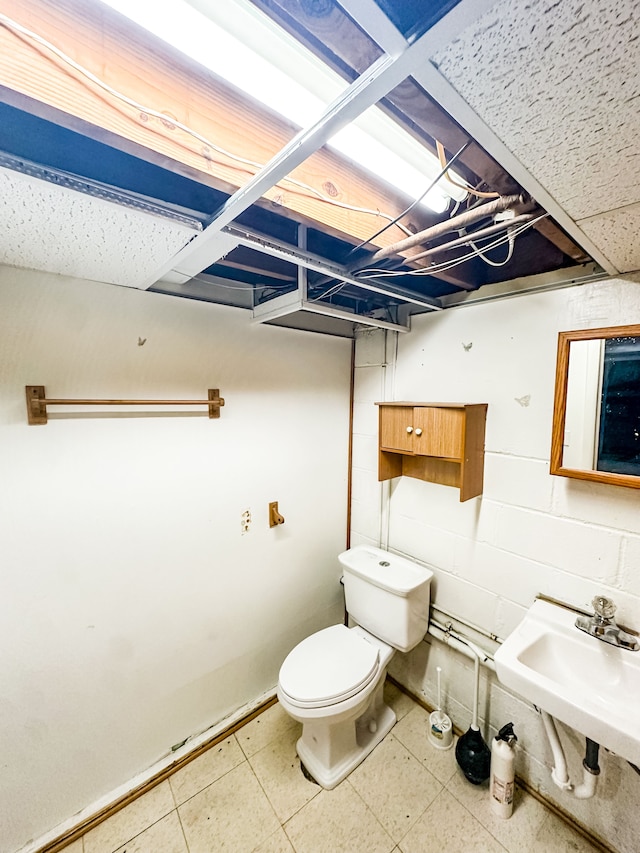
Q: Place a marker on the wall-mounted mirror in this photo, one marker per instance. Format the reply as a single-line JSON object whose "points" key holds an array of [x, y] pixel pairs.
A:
{"points": [[596, 416]]}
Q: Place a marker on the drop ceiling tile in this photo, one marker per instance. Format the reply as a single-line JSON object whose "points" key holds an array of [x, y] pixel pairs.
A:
{"points": [[616, 235], [558, 81], [55, 229]]}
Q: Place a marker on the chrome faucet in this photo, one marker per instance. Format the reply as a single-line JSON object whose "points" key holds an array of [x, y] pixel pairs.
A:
{"points": [[603, 626]]}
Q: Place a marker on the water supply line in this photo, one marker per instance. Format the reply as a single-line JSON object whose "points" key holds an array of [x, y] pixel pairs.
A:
{"points": [[452, 618], [446, 635], [560, 774]]}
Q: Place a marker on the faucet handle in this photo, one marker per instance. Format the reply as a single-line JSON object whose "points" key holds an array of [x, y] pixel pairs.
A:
{"points": [[603, 607]]}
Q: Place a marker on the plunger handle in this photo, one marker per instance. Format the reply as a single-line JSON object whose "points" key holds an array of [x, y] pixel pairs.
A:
{"points": [[474, 722]]}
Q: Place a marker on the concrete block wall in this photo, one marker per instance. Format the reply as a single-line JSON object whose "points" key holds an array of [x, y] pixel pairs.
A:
{"points": [[529, 533]]}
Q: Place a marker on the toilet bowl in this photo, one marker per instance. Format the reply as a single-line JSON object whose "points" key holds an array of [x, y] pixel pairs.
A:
{"points": [[332, 682]]}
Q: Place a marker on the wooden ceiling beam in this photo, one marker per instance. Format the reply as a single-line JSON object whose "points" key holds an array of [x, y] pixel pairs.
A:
{"points": [[556, 235], [154, 75]]}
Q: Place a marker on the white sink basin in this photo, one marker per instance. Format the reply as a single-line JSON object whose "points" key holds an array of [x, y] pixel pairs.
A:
{"points": [[586, 683]]}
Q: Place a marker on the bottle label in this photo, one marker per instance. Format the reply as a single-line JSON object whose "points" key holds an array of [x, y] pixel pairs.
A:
{"points": [[502, 792]]}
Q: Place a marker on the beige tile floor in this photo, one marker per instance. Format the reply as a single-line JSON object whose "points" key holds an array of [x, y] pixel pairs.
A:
{"points": [[248, 794]]}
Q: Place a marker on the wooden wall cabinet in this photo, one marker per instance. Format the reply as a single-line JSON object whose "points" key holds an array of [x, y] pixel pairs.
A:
{"points": [[437, 442]]}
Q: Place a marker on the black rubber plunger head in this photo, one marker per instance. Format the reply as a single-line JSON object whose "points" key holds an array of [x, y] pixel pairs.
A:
{"points": [[473, 756]]}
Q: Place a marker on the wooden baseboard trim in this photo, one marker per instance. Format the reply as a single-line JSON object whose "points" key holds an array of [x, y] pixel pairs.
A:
{"points": [[90, 823]]}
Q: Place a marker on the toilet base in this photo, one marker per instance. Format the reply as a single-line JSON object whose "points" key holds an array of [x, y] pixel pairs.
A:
{"points": [[330, 752]]}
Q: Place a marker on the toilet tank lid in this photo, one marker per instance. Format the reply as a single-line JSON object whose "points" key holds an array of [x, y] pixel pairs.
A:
{"points": [[388, 571]]}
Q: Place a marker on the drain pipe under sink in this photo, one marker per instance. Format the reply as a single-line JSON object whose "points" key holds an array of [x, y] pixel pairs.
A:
{"points": [[560, 774]]}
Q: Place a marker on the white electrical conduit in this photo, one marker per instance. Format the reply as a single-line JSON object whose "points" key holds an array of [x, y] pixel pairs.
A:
{"points": [[560, 774]]}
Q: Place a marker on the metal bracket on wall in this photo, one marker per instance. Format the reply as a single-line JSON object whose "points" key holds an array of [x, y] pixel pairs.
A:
{"points": [[37, 403]]}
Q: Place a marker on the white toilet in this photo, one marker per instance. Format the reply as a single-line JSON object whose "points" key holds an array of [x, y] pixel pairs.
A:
{"points": [[332, 682]]}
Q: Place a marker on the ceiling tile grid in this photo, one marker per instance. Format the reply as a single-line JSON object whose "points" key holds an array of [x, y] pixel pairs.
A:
{"points": [[559, 83], [48, 227], [546, 88]]}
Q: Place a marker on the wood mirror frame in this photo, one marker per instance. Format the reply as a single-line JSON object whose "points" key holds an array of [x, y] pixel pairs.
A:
{"points": [[560, 404]]}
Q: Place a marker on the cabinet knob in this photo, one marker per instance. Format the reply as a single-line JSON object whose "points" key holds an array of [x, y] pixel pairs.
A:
{"points": [[418, 431], [409, 429]]}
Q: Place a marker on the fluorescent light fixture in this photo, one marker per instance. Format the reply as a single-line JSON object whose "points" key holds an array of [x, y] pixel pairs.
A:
{"points": [[244, 47]]}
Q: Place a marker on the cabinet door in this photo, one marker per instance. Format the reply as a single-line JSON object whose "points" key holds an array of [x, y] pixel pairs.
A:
{"points": [[397, 428], [438, 432]]}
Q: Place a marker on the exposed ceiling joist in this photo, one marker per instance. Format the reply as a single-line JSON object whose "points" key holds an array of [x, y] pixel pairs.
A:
{"points": [[187, 117]]}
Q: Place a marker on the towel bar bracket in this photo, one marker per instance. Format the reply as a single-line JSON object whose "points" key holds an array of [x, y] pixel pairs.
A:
{"points": [[37, 403]]}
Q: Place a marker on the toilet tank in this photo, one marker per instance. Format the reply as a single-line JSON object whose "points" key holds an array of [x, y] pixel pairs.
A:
{"points": [[387, 595]]}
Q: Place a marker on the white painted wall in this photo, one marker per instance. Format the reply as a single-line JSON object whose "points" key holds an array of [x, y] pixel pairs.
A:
{"points": [[529, 533], [133, 612]]}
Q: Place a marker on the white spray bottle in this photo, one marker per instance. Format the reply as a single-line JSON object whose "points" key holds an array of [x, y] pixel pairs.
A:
{"points": [[502, 776]]}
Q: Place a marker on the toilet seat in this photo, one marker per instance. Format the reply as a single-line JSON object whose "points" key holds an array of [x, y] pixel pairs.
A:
{"points": [[328, 667]]}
